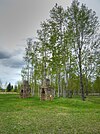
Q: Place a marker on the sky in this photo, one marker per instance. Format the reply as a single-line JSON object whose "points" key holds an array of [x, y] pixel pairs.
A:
{"points": [[19, 20]]}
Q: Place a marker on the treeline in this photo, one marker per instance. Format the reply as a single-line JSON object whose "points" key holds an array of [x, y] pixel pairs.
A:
{"points": [[8, 87], [66, 51]]}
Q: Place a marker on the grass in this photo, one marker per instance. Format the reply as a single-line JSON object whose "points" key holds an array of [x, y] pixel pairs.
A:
{"points": [[60, 116]]}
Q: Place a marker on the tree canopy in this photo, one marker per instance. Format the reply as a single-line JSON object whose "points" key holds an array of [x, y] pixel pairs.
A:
{"points": [[66, 50]]}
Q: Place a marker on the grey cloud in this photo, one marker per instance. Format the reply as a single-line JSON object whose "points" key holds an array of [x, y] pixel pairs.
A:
{"points": [[12, 60], [4, 55], [17, 64], [13, 63], [19, 51]]}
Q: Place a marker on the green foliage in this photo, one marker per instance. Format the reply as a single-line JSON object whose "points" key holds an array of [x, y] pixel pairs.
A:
{"points": [[73, 83], [96, 85], [0, 85], [9, 87], [15, 88], [66, 50]]}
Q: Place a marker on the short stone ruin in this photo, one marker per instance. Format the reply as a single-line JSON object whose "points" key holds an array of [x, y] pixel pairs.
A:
{"points": [[46, 91], [25, 90]]}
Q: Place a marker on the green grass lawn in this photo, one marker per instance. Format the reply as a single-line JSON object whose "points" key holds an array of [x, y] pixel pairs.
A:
{"points": [[60, 116]]}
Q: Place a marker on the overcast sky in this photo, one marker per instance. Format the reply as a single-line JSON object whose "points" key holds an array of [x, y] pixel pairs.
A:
{"points": [[19, 20]]}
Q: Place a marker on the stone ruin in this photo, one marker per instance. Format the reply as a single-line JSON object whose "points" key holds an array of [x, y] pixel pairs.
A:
{"points": [[46, 91], [25, 90]]}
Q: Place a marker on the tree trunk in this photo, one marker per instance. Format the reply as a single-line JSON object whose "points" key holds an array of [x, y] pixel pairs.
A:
{"points": [[58, 84], [32, 90], [86, 86], [81, 79]]}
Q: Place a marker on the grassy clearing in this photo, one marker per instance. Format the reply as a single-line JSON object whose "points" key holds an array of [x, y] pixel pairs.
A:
{"points": [[60, 116]]}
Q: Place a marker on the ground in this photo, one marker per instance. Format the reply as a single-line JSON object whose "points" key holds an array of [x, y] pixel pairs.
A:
{"points": [[60, 116]]}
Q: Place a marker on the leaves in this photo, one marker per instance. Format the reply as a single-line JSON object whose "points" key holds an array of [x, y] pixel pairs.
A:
{"points": [[67, 44]]}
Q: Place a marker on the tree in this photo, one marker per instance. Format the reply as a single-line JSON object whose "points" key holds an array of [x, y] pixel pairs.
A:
{"points": [[43, 36], [57, 16], [18, 84], [27, 58], [84, 24], [66, 50], [34, 66], [15, 88], [0, 85], [9, 87], [96, 85]]}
